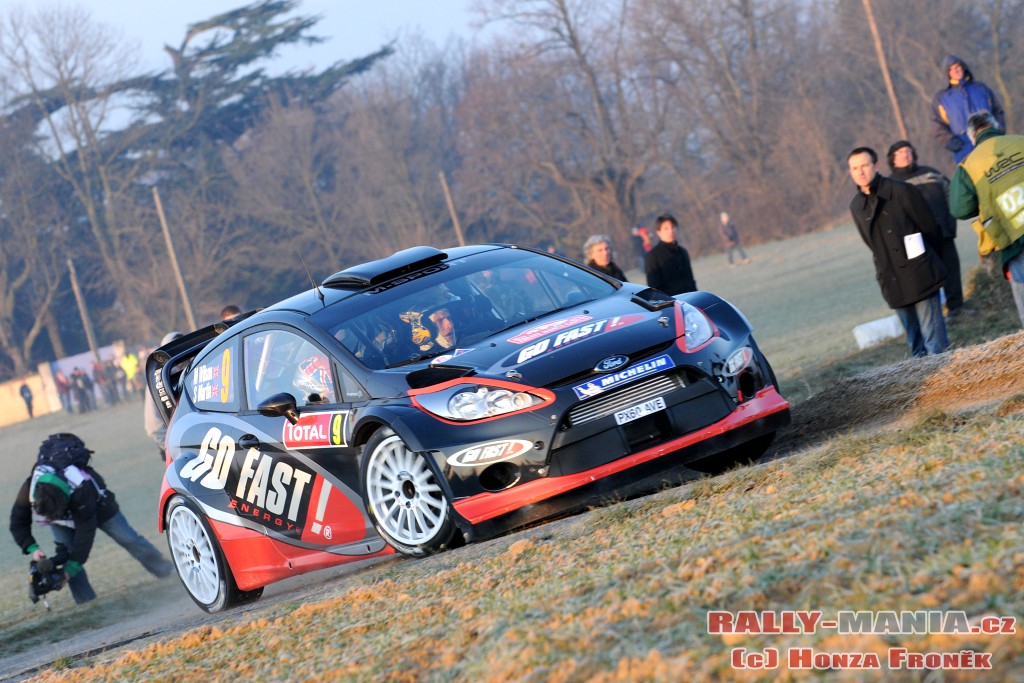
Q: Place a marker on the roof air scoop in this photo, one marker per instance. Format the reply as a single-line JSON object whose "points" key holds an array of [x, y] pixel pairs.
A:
{"points": [[385, 269]]}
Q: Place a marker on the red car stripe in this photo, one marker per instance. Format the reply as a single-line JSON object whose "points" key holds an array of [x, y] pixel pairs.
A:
{"points": [[486, 506]]}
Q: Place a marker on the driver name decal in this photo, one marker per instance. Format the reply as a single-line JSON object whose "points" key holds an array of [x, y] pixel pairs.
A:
{"points": [[211, 380]]}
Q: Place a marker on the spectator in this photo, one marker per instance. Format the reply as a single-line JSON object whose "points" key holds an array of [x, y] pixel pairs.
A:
{"points": [[989, 184], [74, 501], [667, 263], [64, 391], [81, 388], [102, 377], [130, 367], [552, 248], [229, 311], [934, 187], [598, 253], [954, 104], [151, 420], [731, 238], [640, 238], [26, 396], [896, 225]]}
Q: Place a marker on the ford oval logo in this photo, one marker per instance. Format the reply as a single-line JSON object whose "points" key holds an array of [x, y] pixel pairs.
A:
{"points": [[611, 363]]}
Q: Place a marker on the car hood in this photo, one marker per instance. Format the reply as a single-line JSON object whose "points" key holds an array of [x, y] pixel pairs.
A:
{"points": [[559, 346]]}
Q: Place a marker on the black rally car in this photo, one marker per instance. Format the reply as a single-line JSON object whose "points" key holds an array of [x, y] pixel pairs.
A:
{"points": [[432, 397]]}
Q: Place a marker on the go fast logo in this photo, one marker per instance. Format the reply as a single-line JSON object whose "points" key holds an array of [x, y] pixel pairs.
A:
{"points": [[260, 487], [575, 334]]}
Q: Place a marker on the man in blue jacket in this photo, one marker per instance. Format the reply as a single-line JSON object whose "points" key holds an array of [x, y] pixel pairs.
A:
{"points": [[954, 104]]}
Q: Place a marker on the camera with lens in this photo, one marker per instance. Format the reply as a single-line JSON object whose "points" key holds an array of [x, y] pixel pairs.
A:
{"points": [[43, 578]]}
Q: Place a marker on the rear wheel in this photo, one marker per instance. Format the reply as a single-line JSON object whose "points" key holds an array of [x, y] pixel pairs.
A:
{"points": [[198, 558], [403, 497]]}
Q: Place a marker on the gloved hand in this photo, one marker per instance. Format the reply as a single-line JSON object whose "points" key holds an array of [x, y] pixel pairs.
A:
{"points": [[955, 144]]}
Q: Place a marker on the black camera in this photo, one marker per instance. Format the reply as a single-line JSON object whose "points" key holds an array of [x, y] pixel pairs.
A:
{"points": [[43, 577]]}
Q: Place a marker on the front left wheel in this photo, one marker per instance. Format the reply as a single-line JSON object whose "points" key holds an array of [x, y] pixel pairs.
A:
{"points": [[403, 497], [198, 558]]}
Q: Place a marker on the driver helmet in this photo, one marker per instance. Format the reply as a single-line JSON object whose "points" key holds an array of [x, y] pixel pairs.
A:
{"points": [[313, 376]]}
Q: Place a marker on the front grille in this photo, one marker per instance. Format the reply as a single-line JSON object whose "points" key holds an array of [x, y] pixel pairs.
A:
{"points": [[596, 408]]}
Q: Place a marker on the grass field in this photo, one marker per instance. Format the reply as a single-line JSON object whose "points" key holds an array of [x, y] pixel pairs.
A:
{"points": [[616, 598]]}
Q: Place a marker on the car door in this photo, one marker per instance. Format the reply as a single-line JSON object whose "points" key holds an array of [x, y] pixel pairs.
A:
{"points": [[300, 478]]}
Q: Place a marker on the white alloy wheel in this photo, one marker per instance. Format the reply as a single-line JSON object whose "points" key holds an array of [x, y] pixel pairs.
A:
{"points": [[404, 499], [195, 556]]}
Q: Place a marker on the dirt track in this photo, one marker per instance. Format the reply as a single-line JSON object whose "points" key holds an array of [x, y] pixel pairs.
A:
{"points": [[957, 380]]}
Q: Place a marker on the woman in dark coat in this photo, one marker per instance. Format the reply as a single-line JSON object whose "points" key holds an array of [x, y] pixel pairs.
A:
{"points": [[597, 251]]}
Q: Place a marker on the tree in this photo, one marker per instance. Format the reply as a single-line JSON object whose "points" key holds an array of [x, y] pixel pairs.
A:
{"points": [[34, 230], [574, 109], [70, 72]]}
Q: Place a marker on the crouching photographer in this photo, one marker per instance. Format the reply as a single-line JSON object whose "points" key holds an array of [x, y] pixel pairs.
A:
{"points": [[71, 498]]}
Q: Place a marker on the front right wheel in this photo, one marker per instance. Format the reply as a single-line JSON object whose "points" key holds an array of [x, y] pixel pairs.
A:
{"points": [[403, 497], [198, 558]]}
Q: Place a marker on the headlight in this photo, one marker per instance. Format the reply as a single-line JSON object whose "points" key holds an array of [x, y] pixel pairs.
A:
{"points": [[465, 402], [488, 402], [697, 328]]}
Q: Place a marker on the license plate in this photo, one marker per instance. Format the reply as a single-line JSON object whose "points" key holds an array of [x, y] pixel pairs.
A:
{"points": [[640, 410]]}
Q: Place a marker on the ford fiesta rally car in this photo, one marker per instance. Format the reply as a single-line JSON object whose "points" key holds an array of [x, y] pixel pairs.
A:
{"points": [[431, 398]]}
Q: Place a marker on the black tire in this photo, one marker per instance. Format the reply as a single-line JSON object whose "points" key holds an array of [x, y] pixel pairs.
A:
{"points": [[199, 561], [403, 497]]}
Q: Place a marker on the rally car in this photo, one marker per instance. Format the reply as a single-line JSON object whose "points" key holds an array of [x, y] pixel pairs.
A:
{"points": [[436, 397]]}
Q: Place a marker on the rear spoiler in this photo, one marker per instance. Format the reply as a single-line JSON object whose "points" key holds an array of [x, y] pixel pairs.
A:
{"points": [[166, 364]]}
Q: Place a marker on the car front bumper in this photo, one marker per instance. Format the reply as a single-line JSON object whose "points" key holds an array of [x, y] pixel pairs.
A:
{"points": [[488, 514]]}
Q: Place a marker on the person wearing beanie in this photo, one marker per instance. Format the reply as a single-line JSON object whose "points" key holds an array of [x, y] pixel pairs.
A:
{"points": [[954, 104], [934, 187]]}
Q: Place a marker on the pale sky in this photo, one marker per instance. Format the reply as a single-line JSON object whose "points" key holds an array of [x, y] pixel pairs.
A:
{"points": [[354, 28]]}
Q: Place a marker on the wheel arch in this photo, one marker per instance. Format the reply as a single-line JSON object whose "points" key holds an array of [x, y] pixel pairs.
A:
{"points": [[725, 315], [370, 424]]}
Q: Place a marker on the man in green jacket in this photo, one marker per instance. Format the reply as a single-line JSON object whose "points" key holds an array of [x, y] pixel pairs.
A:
{"points": [[989, 184]]}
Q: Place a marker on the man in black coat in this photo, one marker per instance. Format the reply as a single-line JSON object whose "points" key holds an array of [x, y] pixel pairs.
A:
{"points": [[895, 223], [934, 187], [667, 263]]}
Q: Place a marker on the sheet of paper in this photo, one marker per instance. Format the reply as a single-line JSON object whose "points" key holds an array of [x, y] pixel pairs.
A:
{"points": [[914, 245]]}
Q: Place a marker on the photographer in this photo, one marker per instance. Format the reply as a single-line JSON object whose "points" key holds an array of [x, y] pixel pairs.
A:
{"points": [[74, 501]]}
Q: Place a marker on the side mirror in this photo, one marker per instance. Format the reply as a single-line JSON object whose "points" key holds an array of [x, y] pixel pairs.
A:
{"points": [[279, 405]]}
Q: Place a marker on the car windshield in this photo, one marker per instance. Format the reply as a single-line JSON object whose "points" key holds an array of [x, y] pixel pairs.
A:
{"points": [[457, 305]]}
